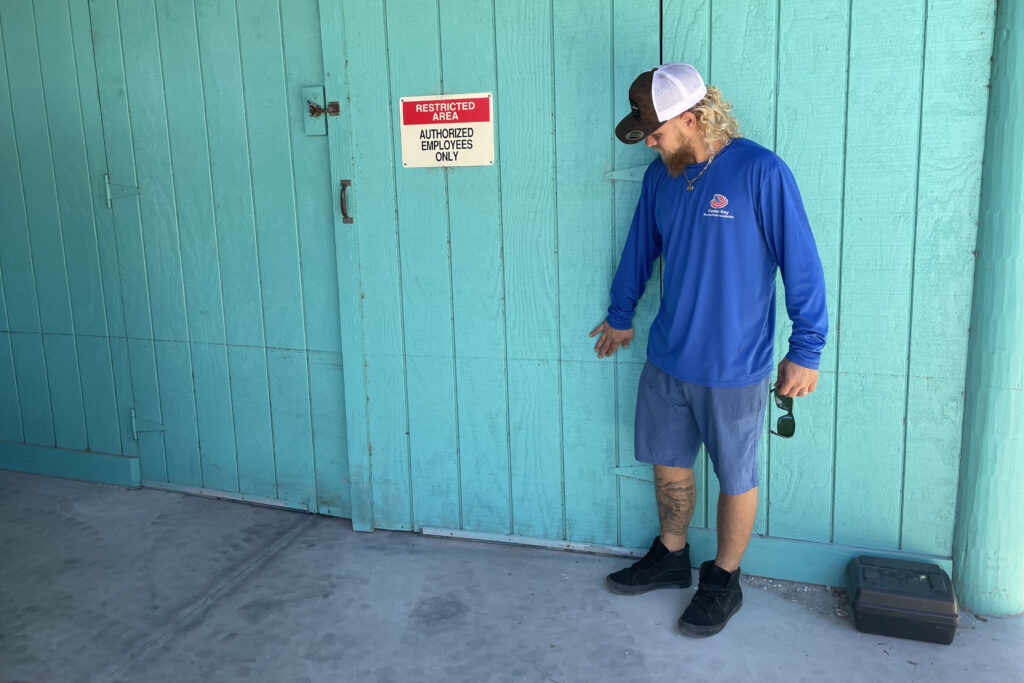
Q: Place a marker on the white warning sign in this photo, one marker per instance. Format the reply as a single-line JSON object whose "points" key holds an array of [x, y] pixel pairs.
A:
{"points": [[448, 130]]}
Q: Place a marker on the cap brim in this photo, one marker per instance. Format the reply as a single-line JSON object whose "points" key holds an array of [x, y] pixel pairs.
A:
{"points": [[632, 129]]}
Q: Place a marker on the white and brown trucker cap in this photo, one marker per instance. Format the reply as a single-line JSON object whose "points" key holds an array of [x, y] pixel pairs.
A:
{"points": [[658, 95]]}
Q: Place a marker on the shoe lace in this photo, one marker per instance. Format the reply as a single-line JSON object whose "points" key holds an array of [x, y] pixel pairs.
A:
{"points": [[646, 561], [706, 597]]}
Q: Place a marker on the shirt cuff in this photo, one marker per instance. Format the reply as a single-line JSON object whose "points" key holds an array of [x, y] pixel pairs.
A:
{"points": [[806, 359], [619, 320]]}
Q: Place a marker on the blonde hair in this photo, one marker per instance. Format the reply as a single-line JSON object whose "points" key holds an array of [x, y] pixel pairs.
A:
{"points": [[714, 119]]}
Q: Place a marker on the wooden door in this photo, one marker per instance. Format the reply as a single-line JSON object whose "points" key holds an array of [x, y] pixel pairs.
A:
{"points": [[486, 409], [222, 211]]}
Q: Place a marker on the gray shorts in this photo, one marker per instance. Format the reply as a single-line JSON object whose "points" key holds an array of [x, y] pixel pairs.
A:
{"points": [[673, 418]]}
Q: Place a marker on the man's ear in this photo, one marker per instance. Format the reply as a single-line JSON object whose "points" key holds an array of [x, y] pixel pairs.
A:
{"points": [[688, 119]]}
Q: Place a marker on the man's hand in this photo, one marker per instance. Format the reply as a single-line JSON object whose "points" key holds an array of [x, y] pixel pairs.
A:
{"points": [[795, 380], [611, 339]]}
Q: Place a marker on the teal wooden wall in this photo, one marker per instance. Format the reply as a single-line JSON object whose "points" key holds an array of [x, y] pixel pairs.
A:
{"points": [[210, 301], [487, 410], [64, 382]]}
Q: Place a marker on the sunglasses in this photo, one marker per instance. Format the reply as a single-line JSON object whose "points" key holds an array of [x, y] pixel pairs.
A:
{"points": [[785, 425]]}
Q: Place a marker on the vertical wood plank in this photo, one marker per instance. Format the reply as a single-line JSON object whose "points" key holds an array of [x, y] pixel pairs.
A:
{"points": [[143, 69], [104, 365], [303, 59], [811, 117], [526, 137], [375, 208], [220, 64], [178, 409], [635, 49], [273, 183], [583, 34], [146, 401], [105, 27], [102, 420], [959, 42], [293, 432], [34, 154], [22, 309], [477, 262], [10, 407], [190, 164], [415, 69], [74, 191], [215, 418], [33, 389], [124, 392], [102, 219], [314, 191], [330, 433], [176, 25], [638, 510], [886, 46], [347, 277], [686, 33], [743, 52], [254, 437], [65, 391]]}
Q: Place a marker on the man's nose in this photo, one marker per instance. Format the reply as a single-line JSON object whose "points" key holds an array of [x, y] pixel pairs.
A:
{"points": [[650, 141]]}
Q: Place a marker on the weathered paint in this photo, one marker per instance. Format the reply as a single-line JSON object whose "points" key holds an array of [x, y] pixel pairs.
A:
{"points": [[989, 553], [199, 302], [858, 473], [212, 302]]}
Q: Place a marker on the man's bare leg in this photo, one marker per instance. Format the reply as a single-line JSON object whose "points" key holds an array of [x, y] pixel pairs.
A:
{"points": [[676, 495], [736, 515]]}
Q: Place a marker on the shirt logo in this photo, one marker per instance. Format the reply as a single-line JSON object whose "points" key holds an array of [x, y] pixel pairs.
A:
{"points": [[718, 210]]}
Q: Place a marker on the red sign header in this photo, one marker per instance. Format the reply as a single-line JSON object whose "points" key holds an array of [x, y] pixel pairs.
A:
{"points": [[427, 112]]}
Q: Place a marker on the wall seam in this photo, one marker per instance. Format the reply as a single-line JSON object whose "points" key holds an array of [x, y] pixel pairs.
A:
{"points": [[401, 282], [177, 233], [913, 274], [256, 245], [839, 276], [504, 275]]}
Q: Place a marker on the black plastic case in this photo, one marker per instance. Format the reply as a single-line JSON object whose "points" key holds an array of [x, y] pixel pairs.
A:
{"points": [[903, 599]]}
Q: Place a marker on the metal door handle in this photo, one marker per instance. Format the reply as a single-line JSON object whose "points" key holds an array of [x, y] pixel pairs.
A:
{"points": [[345, 218]]}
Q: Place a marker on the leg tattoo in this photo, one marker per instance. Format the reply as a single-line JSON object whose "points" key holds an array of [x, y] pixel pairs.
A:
{"points": [[675, 504]]}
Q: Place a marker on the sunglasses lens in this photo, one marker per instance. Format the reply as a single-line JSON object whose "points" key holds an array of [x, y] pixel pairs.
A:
{"points": [[784, 402], [786, 426]]}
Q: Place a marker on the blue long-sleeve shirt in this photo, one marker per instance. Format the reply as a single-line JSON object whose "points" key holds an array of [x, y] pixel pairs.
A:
{"points": [[722, 243]]}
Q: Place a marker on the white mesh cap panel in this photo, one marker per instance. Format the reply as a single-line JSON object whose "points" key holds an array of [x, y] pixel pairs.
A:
{"points": [[675, 88]]}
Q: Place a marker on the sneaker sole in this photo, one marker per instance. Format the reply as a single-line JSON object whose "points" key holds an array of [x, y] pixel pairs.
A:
{"points": [[697, 631], [622, 589]]}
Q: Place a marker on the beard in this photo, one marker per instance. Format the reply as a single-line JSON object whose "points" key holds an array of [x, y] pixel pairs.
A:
{"points": [[678, 160]]}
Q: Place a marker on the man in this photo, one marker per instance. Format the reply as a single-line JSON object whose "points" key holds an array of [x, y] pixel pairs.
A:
{"points": [[725, 213]]}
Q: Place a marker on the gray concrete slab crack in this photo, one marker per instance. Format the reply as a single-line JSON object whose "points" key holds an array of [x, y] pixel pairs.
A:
{"points": [[142, 648]]}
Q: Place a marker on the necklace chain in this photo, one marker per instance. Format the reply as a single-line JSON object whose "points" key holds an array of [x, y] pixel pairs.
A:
{"points": [[689, 183]]}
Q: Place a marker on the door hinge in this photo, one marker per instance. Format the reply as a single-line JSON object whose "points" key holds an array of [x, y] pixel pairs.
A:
{"points": [[641, 472], [140, 425], [118, 191], [635, 174]]}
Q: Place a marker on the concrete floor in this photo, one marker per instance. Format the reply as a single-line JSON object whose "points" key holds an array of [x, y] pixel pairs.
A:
{"points": [[100, 583]]}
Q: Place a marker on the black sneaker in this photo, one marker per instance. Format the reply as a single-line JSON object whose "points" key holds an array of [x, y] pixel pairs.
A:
{"points": [[659, 568], [718, 597]]}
